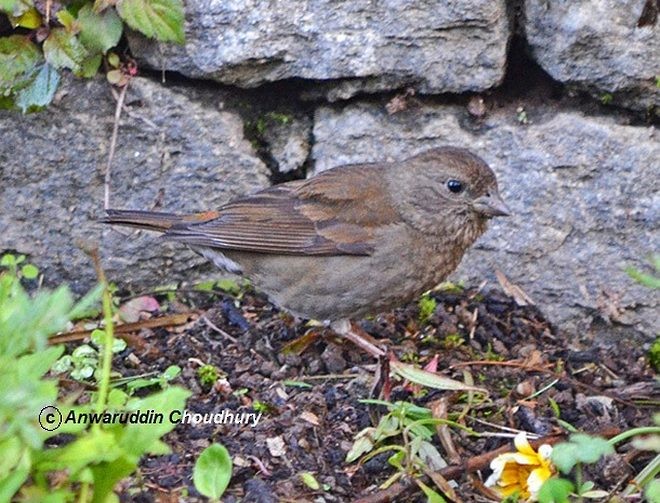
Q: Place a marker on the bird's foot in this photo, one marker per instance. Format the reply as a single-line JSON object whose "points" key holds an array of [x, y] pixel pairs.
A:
{"points": [[354, 333]]}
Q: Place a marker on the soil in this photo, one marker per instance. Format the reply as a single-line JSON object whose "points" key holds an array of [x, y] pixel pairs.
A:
{"points": [[532, 372]]}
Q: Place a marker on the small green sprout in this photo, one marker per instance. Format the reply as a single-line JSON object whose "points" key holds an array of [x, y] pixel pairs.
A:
{"points": [[207, 375]]}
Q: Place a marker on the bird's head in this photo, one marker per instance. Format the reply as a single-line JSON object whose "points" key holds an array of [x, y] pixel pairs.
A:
{"points": [[446, 188]]}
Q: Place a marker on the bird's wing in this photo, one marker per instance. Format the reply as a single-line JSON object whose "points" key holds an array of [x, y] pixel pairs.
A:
{"points": [[334, 213]]}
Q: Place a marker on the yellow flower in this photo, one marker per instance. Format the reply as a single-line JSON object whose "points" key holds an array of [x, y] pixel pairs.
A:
{"points": [[523, 471]]}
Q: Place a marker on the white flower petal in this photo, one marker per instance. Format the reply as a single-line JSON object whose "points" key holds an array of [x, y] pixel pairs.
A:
{"points": [[545, 451], [522, 444], [536, 480]]}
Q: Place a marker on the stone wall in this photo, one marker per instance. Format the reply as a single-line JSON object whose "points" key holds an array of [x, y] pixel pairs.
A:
{"points": [[558, 96]]}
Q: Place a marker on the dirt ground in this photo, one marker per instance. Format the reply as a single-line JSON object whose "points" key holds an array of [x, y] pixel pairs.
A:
{"points": [[508, 349]]}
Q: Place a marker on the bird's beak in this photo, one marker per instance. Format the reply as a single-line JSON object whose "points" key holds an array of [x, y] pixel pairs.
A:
{"points": [[491, 205]]}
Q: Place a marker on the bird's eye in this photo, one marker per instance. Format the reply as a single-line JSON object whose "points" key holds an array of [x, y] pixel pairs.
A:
{"points": [[455, 186]]}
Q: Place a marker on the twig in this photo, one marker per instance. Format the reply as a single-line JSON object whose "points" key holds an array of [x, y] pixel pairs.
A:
{"points": [[113, 145], [326, 376], [439, 410], [220, 331], [164, 321], [135, 115], [260, 465]]}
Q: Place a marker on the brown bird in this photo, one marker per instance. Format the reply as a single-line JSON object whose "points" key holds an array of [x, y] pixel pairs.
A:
{"points": [[352, 241]]}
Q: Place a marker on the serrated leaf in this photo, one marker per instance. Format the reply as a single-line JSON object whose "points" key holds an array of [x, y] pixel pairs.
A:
{"points": [[99, 32], [90, 66], [15, 8], [63, 50], [212, 471], [591, 449], [159, 19], [39, 93], [19, 60]]}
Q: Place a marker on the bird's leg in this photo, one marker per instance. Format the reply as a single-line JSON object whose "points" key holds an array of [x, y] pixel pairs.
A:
{"points": [[352, 332], [358, 337]]}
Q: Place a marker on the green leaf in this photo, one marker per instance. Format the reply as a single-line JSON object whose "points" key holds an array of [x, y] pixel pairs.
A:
{"points": [[652, 491], [427, 306], [29, 271], [297, 384], [564, 456], [12, 479], [107, 474], [430, 379], [310, 481], [212, 471], [30, 19], [95, 447], [7, 260], [19, 60], [172, 372], [555, 490], [67, 20], [159, 19], [581, 449], [643, 278], [139, 439], [362, 445], [228, 285], [99, 32], [90, 66], [15, 8], [63, 50], [591, 449], [38, 94], [431, 495]]}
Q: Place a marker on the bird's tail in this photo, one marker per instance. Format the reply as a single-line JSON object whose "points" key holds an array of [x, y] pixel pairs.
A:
{"points": [[153, 221]]}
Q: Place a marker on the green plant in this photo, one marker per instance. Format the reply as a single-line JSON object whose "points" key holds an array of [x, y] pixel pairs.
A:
{"points": [[427, 306], [51, 37], [93, 455], [212, 471], [309, 480], [162, 379], [654, 354], [207, 375], [606, 98], [581, 449], [648, 280], [261, 407], [84, 359], [417, 455]]}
